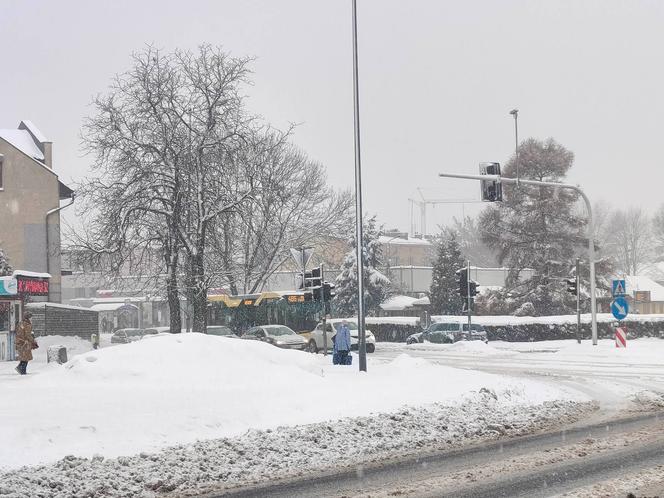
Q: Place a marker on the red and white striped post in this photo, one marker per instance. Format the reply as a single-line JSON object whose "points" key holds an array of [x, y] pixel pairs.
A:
{"points": [[621, 337]]}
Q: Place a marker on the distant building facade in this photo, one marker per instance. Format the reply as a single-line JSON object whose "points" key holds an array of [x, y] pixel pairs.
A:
{"points": [[30, 196]]}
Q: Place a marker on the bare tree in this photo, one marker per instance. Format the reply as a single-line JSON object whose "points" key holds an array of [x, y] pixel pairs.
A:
{"points": [[658, 233], [168, 138], [290, 206], [631, 243]]}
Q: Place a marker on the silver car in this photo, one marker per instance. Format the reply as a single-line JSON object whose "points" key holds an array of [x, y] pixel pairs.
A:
{"points": [[277, 335], [316, 336]]}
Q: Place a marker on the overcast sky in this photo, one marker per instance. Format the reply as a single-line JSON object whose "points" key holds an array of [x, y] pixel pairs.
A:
{"points": [[437, 82]]}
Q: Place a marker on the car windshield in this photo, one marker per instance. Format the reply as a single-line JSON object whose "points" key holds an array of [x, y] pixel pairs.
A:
{"points": [[277, 331], [438, 326]]}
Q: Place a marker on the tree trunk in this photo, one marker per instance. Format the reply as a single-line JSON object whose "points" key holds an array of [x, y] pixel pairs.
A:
{"points": [[172, 291], [198, 293]]}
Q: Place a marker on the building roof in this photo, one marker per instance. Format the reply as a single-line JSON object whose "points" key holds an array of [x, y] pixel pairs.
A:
{"points": [[28, 125], [641, 283], [386, 239], [23, 141]]}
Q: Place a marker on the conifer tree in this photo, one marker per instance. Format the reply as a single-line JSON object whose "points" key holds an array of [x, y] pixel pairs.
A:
{"points": [[443, 294], [5, 268]]}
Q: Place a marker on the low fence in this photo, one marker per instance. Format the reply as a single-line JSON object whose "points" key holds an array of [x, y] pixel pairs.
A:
{"points": [[525, 329], [58, 319]]}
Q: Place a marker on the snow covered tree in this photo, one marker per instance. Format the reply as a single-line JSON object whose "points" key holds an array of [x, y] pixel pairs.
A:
{"points": [[377, 287], [473, 248], [5, 268], [443, 294], [537, 227]]}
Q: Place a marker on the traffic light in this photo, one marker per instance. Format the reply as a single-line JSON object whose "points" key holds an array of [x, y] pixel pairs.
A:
{"points": [[328, 291], [473, 288], [492, 190], [462, 280], [571, 286]]}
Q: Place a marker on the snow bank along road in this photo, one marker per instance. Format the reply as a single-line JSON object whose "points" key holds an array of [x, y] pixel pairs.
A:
{"points": [[189, 414]]}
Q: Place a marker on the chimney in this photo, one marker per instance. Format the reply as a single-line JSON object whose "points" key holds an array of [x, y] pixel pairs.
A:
{"points": [[47, 148]]}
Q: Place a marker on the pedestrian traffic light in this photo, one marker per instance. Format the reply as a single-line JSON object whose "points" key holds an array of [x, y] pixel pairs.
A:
{"points": [[462, 280], [492, 190], [572, 287]]}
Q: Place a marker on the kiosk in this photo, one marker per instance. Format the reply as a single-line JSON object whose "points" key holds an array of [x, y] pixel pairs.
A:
{"points": [[15, 291]]}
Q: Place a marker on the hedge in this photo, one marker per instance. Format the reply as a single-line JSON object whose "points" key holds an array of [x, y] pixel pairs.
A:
{"points": [[388, 332]]}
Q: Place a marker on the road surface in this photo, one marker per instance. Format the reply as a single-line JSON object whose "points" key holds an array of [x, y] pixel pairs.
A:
{"points": [[619, 450]]}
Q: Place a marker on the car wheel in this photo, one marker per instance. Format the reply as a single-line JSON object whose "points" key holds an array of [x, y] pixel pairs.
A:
{"points": [[371, 348], [312, 347]]}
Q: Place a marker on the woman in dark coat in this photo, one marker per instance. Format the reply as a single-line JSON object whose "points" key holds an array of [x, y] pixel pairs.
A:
{"points": [[25, 343]]}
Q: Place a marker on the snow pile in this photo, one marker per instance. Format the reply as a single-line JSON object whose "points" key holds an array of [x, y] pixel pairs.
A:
{"points": [[474, 348], [265, 455], [174, 389], [505, 320]]}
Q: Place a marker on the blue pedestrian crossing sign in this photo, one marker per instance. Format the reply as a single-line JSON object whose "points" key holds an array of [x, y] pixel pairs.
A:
{"points": [[618, 288], [619, 308]]}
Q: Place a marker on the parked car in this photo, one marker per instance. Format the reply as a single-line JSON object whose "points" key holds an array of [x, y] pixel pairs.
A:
{"points": [[220, 330], [277, 335], [125, 336], [157, 330], [449, 332], [316, 336]]}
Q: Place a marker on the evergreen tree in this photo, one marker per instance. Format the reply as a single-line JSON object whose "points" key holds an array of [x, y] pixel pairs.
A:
{"points": [[5, 268], [537, 227], [377, 287], [444, 295]]}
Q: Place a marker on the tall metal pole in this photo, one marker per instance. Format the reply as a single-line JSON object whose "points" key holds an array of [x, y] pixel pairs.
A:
{"points": [[362, 346], [468, 298], [578, 302], [590, 230], [322, 300], [515, 113]]}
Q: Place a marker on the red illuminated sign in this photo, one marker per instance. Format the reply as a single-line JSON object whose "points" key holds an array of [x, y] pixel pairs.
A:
{"points": [[33, 287]]}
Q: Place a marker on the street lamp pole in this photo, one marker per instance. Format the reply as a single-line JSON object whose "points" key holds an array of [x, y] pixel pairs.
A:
{"points": [[590, 230], [362, 346], [515, 113]]}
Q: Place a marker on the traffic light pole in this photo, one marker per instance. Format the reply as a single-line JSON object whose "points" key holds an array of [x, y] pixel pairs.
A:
{"points": [[578, 303], [322, 300], [468, 279], [590, 231]]}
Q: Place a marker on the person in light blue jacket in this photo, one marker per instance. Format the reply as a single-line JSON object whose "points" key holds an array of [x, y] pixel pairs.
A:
{"points": [[341, 344]]}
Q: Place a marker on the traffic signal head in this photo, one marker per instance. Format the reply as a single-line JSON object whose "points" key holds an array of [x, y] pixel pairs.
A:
{"points": [[571, 286], [312, 278], [492, 190], [462, 280], [328, 291], [473, 288]]}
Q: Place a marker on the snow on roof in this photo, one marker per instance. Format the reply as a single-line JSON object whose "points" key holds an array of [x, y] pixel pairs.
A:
{"points": [[398, 303], [386, 239], [30, 126], [642, 283], [110, 306], [56, 305], [22, 140], [423, 301], [33, 274]]}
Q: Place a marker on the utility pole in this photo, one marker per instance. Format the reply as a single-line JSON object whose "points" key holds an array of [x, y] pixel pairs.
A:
{"points": [[590, 228], [362, 346], [322, 300], [468, 300], [578, 303], [515, 113]]}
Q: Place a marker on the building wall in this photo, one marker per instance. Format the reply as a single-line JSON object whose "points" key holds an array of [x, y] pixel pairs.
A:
{"points": [[29, 191], [56, 320]]}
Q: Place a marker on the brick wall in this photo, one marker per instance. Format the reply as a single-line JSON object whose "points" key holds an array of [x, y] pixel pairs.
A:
{"points": [[59, 320]]}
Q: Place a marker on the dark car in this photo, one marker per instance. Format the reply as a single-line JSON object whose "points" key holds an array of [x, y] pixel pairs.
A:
{"points": [[449, 332], [220, 330], [125, 336], [277, 335]]}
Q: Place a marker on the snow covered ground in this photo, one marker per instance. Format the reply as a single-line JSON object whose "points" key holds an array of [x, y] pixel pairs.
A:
{"points": [[167, 389]]}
